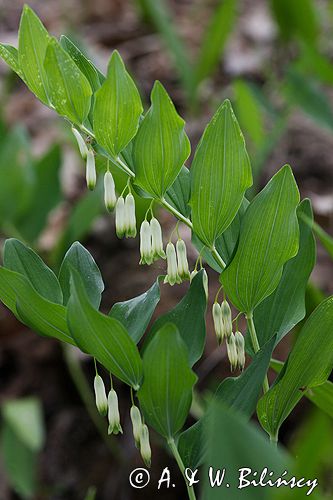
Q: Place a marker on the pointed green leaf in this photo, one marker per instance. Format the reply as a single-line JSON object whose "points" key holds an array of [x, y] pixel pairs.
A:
{"points": [[117, 108], [22, 259], [189, 318], [44, 317], [284, 308], [269, 238], [70, 91], [238, 444], [309, 365], [178, 195], [33, 42], [239, 393], [135, 314], [161, 145], [102, 337], [166, 393], [79, 258], [10, 55], [221, 173]]}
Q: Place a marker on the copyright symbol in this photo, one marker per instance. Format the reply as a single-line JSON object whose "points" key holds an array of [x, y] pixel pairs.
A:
{"points": [[139, 478]]}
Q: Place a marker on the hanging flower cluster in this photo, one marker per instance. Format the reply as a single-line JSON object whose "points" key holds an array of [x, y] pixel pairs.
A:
{"points": [[222, 319], [108, 405]]}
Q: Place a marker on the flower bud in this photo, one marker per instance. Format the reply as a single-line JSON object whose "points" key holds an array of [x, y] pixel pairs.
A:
{"points": [[218, 323], [145, 445], [226, 317], [130, 220], [90, 170], [156, 238], [100, 395], [172, 276], [110, 198], [146, 243], [205, 282], [81, 143], [120, 217], [183, 270], [232, 352], [193, 274], [240, 347], [113, 413], [136, 424]]}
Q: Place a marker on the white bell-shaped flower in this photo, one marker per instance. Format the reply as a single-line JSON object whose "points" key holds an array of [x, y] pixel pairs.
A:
{"points": [[146, 251], [81, 143], [100, 395], [182, 264], [130, 219], [120, 217], [218, 323], [136, 424], [172, 276], [145, 449], [156, 238], [205, 282], [113, 413], [110, 197], [240, 347], [91, 170], [226, 317], [232, 352]]}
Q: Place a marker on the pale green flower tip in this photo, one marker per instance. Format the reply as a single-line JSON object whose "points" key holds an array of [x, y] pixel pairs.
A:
{"points": [[115, 429], [100, 396]]}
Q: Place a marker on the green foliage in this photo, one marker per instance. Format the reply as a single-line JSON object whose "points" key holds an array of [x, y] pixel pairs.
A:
{"points": [[166, 392], [309, 365], [117, 108], [161, 145], [269, 237], [221, 173]]}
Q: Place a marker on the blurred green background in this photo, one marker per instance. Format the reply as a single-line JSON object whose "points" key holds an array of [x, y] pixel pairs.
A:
{"points": [[274, 60]]}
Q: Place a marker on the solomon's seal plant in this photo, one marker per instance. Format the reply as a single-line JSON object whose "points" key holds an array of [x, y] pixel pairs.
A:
{"points": [[263, 252]]}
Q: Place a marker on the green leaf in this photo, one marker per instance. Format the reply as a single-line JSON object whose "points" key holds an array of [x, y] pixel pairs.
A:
{"points": [[161, 145], [79, 258], [22, 259], [178, 195], [238, 444], [239, 393], [33, 42], [249, 113], [325, 239], [242, 393], [284, 308], [70, 91], [269, 238], [216, 35], [25, 419], [44, 317], [102, 337], [189, 318], [221, 173], [117, 108], [46, 194], [166, 393], [135, 314], [309, 365], [295, 21], [10, 55], [82, 62]]}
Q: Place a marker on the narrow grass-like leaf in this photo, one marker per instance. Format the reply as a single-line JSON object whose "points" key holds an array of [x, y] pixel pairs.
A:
{"points": [[249, 113], [215, 37], [117, 108], [79, 258], [33, 42], [45, 317], [10, 55], [70, 91], [189, 318], [166, 393], [221, 173], [309, 365], [22, 259], [284, 308], [161, 145], [136, 313], [296, 22], [269, 238], [102, 337]]}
